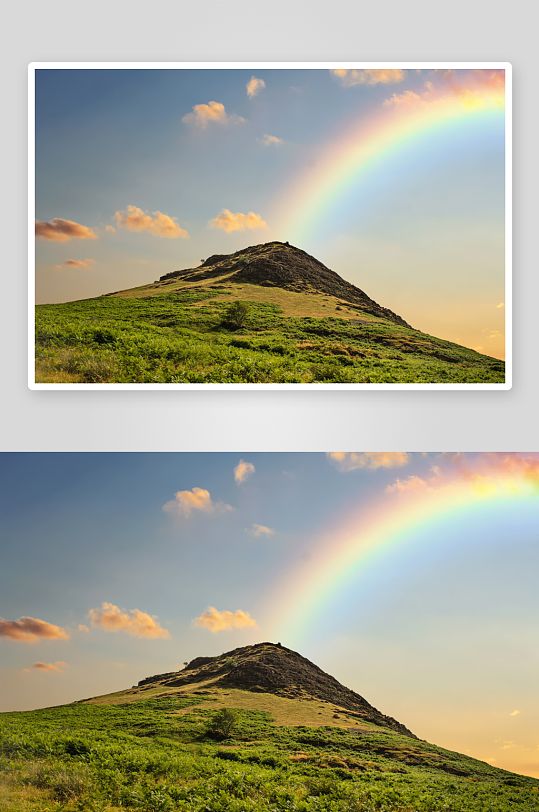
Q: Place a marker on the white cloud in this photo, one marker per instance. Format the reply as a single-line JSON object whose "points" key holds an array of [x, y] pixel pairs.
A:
{"points": [[259, 530]]}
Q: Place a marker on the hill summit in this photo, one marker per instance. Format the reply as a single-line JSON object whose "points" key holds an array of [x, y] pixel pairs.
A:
{"points": [[274, 669], [278, 264]]}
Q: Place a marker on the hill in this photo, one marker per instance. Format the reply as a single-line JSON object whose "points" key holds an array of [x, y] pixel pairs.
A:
{"points": [[297, 740], [303, 324]]}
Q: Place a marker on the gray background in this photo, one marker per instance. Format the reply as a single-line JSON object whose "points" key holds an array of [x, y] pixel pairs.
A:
{"points": [[272, 30]]}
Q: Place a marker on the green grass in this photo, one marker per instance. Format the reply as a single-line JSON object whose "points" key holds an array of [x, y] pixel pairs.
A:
{"points": [[153, 755], [182, 337]]}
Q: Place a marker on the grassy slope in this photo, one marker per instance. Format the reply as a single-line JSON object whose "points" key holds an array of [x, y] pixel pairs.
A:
{"points": [[145, 749], [170, 332]]}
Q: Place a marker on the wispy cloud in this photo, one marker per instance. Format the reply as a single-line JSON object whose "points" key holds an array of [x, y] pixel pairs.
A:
{"points": [[500, 305], [212, 113], [63, 230], [351, 460], [255, 86], [268, 140], [79, 263], [134, 219], [217, 621], [185, 502], [111, 618], [515, 713], [243, 471], [471, 87], [83, 628], [368, 76], [58, 666], [484, 474], [260, 530], [31, 629], [237, 222], [111, 229]]}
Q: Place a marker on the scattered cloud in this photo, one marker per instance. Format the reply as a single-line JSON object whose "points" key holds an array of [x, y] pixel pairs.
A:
{"points": [[413, 483], [268, 140], [49, 666], [478, 349], [237, 222], [30, 630], [204, 114], [515, 713], [111, 618], [217, 621], [134, 219], [111, 229], [185, 502], [255, 86], [243, 471], [83, 628], [63, 230], [351, 460], [260, 530], [78, 263], [472, 88], [368, 76], [486, 474], [502, 304]]}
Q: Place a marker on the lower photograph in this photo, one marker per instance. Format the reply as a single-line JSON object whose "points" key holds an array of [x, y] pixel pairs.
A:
{"points": [[207, 632]]}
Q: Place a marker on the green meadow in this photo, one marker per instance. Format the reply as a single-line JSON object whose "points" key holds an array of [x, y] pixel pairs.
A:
{"points": [[149, 752], [186, 336]]}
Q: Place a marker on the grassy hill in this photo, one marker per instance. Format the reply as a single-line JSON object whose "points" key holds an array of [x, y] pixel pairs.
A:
{"points": [[304, 324], [299, 742]]}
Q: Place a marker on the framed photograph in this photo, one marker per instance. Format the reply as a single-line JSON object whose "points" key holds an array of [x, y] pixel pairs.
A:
{"points": [[270, 225]]}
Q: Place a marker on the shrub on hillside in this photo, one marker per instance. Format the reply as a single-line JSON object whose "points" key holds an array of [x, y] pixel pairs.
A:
{"points": [[222, 723], [237, 313]]}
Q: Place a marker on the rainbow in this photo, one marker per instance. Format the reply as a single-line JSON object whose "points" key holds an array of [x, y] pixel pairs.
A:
{"points": [[368, 143], [343, 556]]}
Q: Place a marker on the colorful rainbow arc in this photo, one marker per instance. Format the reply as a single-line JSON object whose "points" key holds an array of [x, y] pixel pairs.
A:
{"points": [[341, 557], [313, 193]]}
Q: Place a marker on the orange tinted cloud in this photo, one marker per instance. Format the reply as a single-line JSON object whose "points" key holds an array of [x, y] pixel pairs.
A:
{"points": [[134, 219], [471, 87], [484, 474], [217, 621], [30, 630], [49, 666], [83, 628], [63, 230], [111, 229], [237, 222], [259, 530], [214, 112], [350, 461], [268, 140], [368, 76], [185, 502], [111, 618], [255, 86], [243, 470], [78, 263]]}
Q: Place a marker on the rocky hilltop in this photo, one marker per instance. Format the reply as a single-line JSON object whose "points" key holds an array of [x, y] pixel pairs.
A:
{"points": [[272, 668], [278, 264]]}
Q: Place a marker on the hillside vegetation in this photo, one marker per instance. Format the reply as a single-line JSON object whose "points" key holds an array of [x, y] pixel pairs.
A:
{"points": [[303, 324], [160, 748]]}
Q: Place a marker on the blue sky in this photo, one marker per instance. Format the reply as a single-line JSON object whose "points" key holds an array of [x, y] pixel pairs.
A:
{"points": [[422, 231], [437, 629]]}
